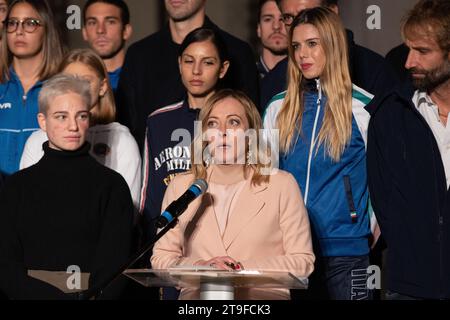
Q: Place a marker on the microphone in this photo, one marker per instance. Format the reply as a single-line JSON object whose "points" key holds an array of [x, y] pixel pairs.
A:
{"points": [[178, 206]]}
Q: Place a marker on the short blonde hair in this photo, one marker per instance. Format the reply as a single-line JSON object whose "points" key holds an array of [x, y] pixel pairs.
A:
{"points": [[62, 84]]}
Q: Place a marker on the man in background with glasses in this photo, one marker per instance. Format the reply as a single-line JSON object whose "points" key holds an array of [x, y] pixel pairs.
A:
{"points": [[368, 69]]}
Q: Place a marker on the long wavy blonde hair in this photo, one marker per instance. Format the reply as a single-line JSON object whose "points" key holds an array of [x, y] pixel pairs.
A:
{"points": [[335, 81]]}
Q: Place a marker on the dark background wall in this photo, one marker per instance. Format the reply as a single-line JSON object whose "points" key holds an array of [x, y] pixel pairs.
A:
{"points": [[239, 18], [353, 13]]}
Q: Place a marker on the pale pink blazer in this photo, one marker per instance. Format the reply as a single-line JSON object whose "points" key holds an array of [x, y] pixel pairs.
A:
{"points": [[267, 230]]}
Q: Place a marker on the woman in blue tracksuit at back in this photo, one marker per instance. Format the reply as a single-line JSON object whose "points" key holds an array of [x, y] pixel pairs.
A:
{"points": [[322, 132], [30, 53]]}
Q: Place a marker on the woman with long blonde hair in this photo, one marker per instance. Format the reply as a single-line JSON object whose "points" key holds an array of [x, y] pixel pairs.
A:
{"points": [[322, 132], [248, 218]]}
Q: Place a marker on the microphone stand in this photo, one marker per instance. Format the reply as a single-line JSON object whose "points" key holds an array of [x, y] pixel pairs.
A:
{"points": [[97, 290]]}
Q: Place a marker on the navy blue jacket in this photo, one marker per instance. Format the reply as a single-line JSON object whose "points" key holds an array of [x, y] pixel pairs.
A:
{"points": [[170, 131], [410, 198], [368, 71]]}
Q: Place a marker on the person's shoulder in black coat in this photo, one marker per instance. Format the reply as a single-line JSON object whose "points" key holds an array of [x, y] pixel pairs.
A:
{"points": [[144, 46]]}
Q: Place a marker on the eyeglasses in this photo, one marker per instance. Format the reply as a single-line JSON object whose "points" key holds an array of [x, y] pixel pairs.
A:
{"points": [[29, 25], [287, 18]]}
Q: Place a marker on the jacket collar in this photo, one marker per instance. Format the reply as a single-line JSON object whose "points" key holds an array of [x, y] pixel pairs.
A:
{"points": [[250, 203], [405, 92], [186, 108], [15, 78]]}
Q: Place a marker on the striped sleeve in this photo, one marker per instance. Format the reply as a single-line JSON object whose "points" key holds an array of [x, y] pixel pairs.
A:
{"points": [[360, 99]]}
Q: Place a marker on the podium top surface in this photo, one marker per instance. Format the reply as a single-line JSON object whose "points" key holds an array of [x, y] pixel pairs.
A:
{"points": [[195, 276]]}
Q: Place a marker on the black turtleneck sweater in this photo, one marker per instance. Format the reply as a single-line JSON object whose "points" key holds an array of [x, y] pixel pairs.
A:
{"points": [[66, 210]]}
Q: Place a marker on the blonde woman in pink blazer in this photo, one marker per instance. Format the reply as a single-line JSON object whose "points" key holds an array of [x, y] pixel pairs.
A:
{"points": [[250, 218]]}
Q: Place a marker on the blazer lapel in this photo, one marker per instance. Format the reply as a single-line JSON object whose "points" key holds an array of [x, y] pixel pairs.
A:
{"points": [[249, 204], [204, 217]]}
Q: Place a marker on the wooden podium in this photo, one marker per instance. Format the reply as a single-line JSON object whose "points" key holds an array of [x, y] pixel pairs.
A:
{"points": [[215, 284]]}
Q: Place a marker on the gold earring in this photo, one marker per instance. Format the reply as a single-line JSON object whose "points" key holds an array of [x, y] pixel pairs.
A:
{"points": [[249, 158], [207, 160]]}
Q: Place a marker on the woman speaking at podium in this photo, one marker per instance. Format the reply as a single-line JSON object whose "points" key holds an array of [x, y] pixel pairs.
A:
{"points": [[251, 217]]}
